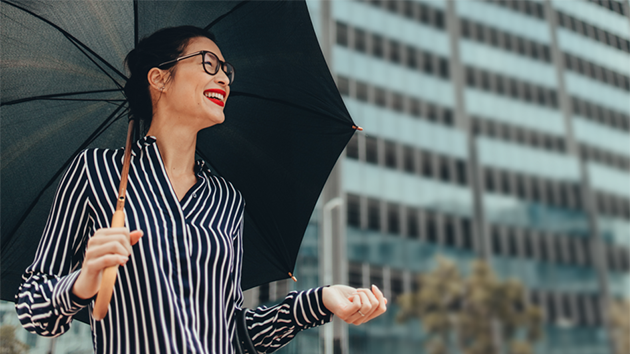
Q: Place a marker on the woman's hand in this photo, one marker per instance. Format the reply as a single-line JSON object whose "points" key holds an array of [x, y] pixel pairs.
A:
{"points": [[107, 248], [355, 306]]}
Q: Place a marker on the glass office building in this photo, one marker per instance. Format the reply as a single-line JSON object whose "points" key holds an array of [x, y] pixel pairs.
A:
{"points": [[494, 129]]}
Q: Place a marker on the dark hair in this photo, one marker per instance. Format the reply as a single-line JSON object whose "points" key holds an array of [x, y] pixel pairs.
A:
{"points": [[163, 45]]}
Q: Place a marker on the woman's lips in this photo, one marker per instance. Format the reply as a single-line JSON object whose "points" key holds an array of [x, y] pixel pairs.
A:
{"points": [[219, 102], [212, 96]]}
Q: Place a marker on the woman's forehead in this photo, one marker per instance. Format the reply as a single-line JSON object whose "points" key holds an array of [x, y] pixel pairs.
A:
{"points": [[202, 43]]}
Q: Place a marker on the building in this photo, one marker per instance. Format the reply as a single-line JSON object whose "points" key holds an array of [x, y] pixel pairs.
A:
{"points": [[495, 129]]}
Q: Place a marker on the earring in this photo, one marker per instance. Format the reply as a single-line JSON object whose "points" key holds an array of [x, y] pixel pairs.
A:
{"points": [[161, 88]]}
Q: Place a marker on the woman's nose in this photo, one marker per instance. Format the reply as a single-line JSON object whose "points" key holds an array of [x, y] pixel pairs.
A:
{"points": [[221, 78]]}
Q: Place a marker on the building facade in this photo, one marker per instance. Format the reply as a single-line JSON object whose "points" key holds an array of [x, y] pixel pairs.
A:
{"points": [[493, 129]]}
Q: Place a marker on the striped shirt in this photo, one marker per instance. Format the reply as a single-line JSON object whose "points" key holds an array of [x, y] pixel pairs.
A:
{"points": [[180, 290]]}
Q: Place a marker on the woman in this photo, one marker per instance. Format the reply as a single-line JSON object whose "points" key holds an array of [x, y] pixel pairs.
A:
{"points": [[178, 289]]}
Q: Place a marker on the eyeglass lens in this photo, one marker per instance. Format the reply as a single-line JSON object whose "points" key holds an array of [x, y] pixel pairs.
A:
{"points": [[211, 65]]}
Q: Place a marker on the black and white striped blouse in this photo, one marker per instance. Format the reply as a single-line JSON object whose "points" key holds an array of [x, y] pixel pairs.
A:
{"points": [[180, 290]]}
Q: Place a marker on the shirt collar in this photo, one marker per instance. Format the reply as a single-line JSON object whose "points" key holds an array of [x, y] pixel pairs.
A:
{"points": [[145, 141]]}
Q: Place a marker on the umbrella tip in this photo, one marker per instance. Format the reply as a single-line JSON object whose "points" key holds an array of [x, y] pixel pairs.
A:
{"points": [[292, 277], [355, 127]]}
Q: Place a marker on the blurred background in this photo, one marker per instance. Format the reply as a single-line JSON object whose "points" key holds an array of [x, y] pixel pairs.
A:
{"points": [[489, 193]]}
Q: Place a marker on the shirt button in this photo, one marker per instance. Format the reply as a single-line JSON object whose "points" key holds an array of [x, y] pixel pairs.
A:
{"points": [[194, 195]]}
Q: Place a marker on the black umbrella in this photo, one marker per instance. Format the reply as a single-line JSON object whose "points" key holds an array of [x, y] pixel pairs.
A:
{"points": [[62, 79]]}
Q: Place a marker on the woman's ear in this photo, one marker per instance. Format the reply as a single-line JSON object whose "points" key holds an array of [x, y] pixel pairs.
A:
{"points": [[157, 79]]}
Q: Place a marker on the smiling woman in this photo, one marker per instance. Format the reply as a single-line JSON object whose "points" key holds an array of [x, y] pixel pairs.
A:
{"points": [[178, 287]]}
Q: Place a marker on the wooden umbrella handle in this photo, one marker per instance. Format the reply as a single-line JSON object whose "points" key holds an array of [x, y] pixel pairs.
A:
{"points": [[108, 279]]}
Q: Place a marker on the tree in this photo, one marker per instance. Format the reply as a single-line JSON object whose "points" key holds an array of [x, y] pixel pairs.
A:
{"points": [[480, 314], [620, 323], [9, 344], [434, 302]]}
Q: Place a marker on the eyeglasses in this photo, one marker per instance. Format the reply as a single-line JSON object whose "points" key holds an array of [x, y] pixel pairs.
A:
{"points": [[211, 64]]}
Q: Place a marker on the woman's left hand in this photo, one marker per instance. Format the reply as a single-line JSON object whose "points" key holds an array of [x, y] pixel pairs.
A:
{"points": [[355, 306]]}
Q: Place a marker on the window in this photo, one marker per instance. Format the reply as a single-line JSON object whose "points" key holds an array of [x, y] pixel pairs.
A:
{"points": [[355, 275], [512, 244], [396, 285], [494, 37], [497, 248], [342, 34], [445, 171], [520, 187], [427, 164], [362, 92], [394, 51], [393, 219], [461, 172], [439, 19], [392, 6], [447, 116], [360, 41], [505, 183], [371, 150], [374, 215], [528, 92], [521, 46], [376, 276], [354, 210], [415, 107], [485, 80], [500, 89], [465, 28], [431, 112], [449, 232], [397, 102], [479, 32], [513, 88], [546, 53], [508, 41], [470, 77], [377, 46], [490, 185], [409, 164], [467, 234], [424, 14], [528, 244], [444, 68], [431, 229], [380, 97], [407, 9], [390, 154], [411, 59], [413, 227], [352, 149], [344, 86], [427, 61]]}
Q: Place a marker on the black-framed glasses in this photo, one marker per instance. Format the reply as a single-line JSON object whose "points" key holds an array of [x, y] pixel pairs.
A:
{"points": [[211, 64]]}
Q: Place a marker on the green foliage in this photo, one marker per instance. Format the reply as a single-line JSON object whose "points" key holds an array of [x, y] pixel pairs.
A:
{"points": [[480, 313], [9, 344], [620, 323]]}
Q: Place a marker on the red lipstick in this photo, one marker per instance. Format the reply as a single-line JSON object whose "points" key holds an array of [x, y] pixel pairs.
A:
{"points": [[214, 99]]}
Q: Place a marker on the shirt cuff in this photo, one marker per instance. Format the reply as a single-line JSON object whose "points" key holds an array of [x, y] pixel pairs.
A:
{"points": [[310, 310], [64, 300]]}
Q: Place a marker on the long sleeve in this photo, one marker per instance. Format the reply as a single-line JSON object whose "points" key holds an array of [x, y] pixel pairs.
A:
{"points": [[44, 302], [271, 328]]}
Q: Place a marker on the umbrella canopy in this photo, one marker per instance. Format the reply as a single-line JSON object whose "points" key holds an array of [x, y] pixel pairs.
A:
{"points": [[62, 76]]}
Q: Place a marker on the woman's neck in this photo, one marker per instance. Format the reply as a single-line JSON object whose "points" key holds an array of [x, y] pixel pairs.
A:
{"points": [[177, 148]]}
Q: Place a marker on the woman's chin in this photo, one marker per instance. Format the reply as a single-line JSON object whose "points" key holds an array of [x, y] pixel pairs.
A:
{"points": [[214, 121]]}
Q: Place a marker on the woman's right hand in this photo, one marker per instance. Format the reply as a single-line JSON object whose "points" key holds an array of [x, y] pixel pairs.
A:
{"points": [[107, 248]]}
